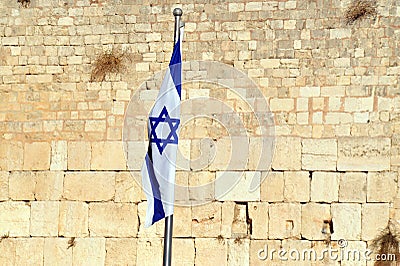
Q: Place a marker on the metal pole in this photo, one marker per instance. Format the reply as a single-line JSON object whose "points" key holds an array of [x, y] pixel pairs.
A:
{"points": [[169, 220]]}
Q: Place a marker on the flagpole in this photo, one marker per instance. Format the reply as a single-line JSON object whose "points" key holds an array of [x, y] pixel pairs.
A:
{"points": [[169, 220]]}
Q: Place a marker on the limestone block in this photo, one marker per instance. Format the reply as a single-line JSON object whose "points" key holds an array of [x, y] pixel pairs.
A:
{"points": [[22, 185], [239, 252], [258, 213], [340, 33], [228, 213], [127, 188], [136, 151], [236, 186], [315, 221], [284, 220], [79, 155], [58, 155], [239, 224], [29, 251], [272, 187], [11, 155], [182, 221], [108, 156], [44, 218], [287, 154], [14, 219], [346, 218], [89, 186], [183, 251], [73, 219], [121, 251], [37, 156], [201, 186], [319, 154], [310, 92], [211, 252], [113, 219], [353, 187], [325, 186], [362, 104], [89, 251], [260, 155], [49, 185], [260, 252], [297, 186], [381, 187], [149, 251], [7, 254], [56, 252], [270, 63], [375, 217], [206, 220], [281, 105], [4, 177], [363, 154]]}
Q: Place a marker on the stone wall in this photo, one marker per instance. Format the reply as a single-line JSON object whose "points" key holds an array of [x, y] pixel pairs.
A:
{"points": [[66, 196]]}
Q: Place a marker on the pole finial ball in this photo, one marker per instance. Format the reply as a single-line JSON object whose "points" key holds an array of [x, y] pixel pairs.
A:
{"points": [[177, 12]]}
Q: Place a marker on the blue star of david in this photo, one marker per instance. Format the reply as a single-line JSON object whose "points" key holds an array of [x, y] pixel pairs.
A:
{"points": [[173, 124]]}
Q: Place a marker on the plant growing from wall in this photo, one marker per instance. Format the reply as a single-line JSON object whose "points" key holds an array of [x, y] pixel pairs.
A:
{"points": [[24, 3], [110, 62], [359, 10], [387, 242]]}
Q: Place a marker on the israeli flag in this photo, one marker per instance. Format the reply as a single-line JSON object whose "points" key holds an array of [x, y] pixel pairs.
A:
{"points": [[158, 170]]}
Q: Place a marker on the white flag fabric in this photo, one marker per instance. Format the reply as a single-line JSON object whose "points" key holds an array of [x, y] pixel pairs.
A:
{"points": [[158, 170]]}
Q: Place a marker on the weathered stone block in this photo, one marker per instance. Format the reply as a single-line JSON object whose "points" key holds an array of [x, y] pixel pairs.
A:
{"points": [[346, 218], [127, 188], [4, 176], [183, 252], [22, 185], [272, 187], [211, 251], [11, 155], [29, 251], [154, 231], [89, 251], [258, 213], [237, 186], [44, 218], [238, 252], [113, 219], [14, 218], [315, 221], [121, 251], [73, 219], [79, 155], [353, 187], [89, 186], [375, 218], [284, 220], [206, 220], [319, 154], [297, 186], [58, 155], [136, 151], [201, 186], [108, 156], [363, 154], [37, 156], [149, 251], [56, 252], [381, 187], [325, 187], [49, 185], [287, 154], [182, 221]]}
